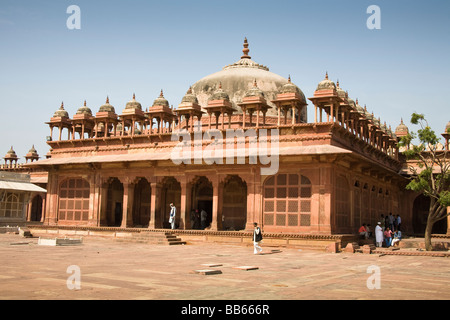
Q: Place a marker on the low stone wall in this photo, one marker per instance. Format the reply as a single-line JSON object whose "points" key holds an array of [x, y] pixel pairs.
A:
{"points": [[327, 243], [8, 229]]}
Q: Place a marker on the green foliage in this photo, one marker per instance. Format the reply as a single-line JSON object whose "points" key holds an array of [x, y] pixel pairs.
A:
{"points": [[444, 199], [431, 175]]}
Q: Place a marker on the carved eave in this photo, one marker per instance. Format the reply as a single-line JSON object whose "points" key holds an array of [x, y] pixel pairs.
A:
{"points": [[106, 115], [132, 112], [219, 105], [59, 120], [187, 108], [254, 102]]}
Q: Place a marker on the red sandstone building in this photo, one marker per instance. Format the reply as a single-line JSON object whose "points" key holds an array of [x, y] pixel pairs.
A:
{"points": [[114, 168]]}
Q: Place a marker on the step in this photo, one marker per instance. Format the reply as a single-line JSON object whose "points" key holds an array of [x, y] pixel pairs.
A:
{"points": [[162, 238]]}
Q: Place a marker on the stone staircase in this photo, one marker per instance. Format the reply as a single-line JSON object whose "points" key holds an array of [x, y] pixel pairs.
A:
{"points": [[160, 238]]}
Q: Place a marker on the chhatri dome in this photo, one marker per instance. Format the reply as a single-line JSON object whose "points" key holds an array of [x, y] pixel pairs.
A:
{"points": [[133, 104], [84, 110], [161, 101], [107, 107], [61, 112], [402, 129], [238, 79]]}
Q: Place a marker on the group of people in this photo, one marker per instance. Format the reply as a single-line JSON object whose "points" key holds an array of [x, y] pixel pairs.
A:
{"points": [[387, 231], [390, 238], [199, 220]]}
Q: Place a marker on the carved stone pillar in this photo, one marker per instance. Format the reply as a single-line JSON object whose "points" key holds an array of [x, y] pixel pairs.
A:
{"points": [[215, 206], [128, 199], [155, 206], [51, 212], [185, 210]]}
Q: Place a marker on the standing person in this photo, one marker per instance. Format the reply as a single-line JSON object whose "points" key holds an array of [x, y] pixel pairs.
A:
{"points": [[203, 217], [388, 237], [197, 219], [399, 222], [379, 235], [369, 230], [382, 222], [391, 221], [257, 238], [192, 219], [173, 212]]}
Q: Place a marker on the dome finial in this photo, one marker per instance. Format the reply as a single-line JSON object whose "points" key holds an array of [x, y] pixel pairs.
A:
{"points": [[161, 95], [289, 79], [107, 99], [326, 75], [246, 50], [85, 103]]}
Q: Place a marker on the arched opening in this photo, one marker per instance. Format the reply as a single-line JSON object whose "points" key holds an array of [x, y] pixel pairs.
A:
{"points": [[114, 205], [142, 201], [421, 209], [36, 208], [342, 219], [202, 199], [170, 193], [234, 206]]}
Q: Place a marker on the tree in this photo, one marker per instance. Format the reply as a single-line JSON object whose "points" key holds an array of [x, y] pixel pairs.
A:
{"points": [[429, 165]]}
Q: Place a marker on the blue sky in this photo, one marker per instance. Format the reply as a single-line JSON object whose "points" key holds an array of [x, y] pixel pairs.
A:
{"points": [[145, 46]]}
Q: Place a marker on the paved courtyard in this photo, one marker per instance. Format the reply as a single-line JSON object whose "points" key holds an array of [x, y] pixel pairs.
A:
{"points": [[113, 270]]}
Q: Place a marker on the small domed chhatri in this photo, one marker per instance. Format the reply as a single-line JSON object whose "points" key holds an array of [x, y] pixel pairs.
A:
{"points": [[133, 104], [291, 88], [326, 84], [11, 154], [341, 93], [219, 94], [32, 155], [11, 157], [84, 110], [359, 108], [161, 101], [107, 107], [402, 130], [189, 97], [254, 91], [32, 152], [61, 113]]}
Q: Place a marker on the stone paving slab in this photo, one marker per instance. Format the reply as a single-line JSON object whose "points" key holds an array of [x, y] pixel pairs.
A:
{"points": [[132, 271]]}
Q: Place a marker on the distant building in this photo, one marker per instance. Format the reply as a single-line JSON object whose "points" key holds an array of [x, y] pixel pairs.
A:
{"points": [[18, 196]]}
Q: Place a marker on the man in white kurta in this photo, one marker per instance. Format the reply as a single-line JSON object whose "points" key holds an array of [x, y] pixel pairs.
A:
{"points": [[379, 235], [257, 238], [173, 212]]}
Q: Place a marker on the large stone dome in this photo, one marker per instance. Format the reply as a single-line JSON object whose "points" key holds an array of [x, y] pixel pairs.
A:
{"points": [[238, 78]]}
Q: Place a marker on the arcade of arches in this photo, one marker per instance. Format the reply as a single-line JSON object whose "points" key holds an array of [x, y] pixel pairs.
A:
{"points": [[311, 201]]}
